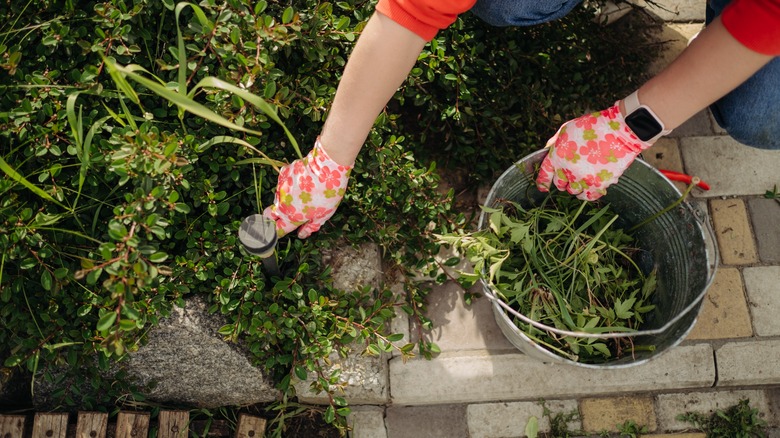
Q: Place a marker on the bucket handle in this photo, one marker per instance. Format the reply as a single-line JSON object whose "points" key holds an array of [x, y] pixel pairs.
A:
{"points": [[712, 263]]}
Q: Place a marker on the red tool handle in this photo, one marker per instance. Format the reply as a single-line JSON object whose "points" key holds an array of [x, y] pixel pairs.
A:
{"points": [[687, 179]]}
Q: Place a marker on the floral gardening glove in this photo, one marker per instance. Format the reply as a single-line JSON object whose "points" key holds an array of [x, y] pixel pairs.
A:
{"points": [[589, 153], [307, 193]]}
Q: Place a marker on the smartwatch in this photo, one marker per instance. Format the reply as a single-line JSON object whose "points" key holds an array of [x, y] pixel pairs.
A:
{"points": [[642, 120]]}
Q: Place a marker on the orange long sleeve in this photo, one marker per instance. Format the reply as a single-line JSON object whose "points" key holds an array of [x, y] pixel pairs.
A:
{"points": [[755, 24], [424, 17]]}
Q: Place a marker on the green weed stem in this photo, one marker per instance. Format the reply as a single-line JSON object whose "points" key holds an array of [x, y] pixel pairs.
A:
{"points": [[668, 208]]}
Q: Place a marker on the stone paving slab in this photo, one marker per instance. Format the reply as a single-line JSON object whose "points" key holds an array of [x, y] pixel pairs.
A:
{"points": [[364, 379], [441, 421], [698, 125], [764, 214], [732, 229], [674, 37], [399, 324], [724, 312], [763, 287], [732, 169], [480, 376], [355, 267], [675, 10], [457, 326], [665, 154], [600, 414], [490, 420], [749, 363], [716, 127], [669, 406], [367, 422]]}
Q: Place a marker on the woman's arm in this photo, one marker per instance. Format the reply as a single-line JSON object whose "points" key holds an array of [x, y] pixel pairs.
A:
{"points": [[714, 64], [590, 153], [380, 62]]}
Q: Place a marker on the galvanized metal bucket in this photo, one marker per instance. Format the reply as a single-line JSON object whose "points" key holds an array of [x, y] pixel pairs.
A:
{"points": [[680, 244]]}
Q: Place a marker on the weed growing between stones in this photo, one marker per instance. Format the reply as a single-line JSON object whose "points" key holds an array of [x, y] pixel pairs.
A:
{"points": [[739, 421], [630, 429], [773, 194]]}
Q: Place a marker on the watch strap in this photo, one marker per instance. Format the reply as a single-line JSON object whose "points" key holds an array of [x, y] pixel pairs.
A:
{"points": [[631, 103]]}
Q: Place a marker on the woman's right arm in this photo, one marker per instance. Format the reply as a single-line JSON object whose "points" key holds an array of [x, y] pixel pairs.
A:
{"points": [[386, 51]]}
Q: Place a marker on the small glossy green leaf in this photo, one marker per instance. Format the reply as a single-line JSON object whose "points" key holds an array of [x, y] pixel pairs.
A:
{"points": [[287, 16], [46, 280], [106, 321]]}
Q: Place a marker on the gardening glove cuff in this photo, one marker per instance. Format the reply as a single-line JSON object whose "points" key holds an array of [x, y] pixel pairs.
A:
{"points": [[308, 192], [589, 153]]}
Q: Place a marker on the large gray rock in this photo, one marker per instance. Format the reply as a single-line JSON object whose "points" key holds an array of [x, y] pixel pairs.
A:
{"points": [[187, 362]]}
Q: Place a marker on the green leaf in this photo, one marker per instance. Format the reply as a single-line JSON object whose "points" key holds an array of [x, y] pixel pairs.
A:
{"points": [[602, 348], [329, 415], [158, 257], [452, 261], [127, 324], [84, 310], [395, 337], [623, 308], [519, 233], [117, 230], [14, 175], [300, 372], [13, 360], [650, 284], [554, 226], [532, 427], [182, 52], [288, 14], [106, 321], [43, 219], [46, 280]]}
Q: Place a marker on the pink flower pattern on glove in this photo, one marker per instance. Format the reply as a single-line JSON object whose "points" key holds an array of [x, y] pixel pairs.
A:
{"points": [[589, 153], [308, 191]]}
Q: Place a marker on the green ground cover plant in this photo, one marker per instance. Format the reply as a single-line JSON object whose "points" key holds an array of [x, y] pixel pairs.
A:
{"points": [[135, 135]]}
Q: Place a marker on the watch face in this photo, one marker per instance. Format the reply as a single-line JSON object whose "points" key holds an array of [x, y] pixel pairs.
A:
{"points": [[644, 125]]}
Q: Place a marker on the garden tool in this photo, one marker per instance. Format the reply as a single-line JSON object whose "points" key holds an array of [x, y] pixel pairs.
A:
{"points": [[258, 235], [687, 179]]}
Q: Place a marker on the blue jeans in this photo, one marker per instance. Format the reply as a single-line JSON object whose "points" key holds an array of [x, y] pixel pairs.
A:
{"points": [[750, 113], [522, 12]]}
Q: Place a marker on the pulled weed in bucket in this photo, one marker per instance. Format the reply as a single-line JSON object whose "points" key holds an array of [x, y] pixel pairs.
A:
{"points": [[565, 264]]}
